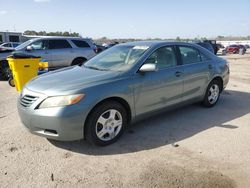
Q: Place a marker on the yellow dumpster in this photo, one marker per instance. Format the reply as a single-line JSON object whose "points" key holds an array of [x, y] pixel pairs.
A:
{"points": [[24, 68], [43, 66]]}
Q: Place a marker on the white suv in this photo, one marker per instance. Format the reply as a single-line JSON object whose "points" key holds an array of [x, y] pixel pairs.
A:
{"points": [[57, 51]]}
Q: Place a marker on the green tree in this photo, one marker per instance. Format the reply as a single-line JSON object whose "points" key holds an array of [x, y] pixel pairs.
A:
{"points": [[178, 39], [30, 32], [66, 33]]}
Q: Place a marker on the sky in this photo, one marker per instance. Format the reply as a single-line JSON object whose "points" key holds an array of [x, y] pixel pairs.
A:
{"points": [[129, 18]]}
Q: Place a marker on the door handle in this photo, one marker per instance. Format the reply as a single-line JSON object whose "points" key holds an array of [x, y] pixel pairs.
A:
{"points": [[178, 74], [210, 66]]}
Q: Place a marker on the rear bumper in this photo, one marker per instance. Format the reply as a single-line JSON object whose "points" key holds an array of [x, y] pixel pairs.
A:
{"points": [[225, 79], [64, 123]]}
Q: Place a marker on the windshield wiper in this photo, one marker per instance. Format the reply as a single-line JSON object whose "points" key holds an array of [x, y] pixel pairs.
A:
{"points": [[95, 68]]}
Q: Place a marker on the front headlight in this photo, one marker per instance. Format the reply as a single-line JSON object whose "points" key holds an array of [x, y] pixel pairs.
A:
{"points": [[61, 101]]}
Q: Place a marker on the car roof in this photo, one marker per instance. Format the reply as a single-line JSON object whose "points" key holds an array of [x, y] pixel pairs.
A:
{"points": [[156, 43], [59, 37]]}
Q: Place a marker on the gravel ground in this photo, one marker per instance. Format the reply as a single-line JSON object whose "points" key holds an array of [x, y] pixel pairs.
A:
{"points": [[189, 147]]}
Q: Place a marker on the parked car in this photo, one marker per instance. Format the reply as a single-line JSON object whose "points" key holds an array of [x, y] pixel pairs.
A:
{"points": [[242, 47], [214, 45], [10, 45], [111, 45], [99, 48], [220, 46], [233, 49], [206, 45], [118, 87], [57, 51], [5, 72]]}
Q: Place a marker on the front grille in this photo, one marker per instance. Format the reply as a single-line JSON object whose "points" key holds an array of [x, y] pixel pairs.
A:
{"points": [[28, 100]]}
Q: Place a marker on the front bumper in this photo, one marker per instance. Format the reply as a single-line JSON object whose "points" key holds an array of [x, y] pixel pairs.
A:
{"points": [[59, 123]]}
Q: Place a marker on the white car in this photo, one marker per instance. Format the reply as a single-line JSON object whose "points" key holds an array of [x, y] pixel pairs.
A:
{"points": [[10, 45]]}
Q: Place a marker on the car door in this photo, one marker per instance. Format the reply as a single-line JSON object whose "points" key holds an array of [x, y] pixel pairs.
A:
{"points": [[60, 51], [196, 72], [162, 88], [40, 48]]}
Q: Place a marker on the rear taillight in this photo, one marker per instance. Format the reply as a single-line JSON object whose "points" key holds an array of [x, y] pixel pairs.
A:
{"points": [[95, 49]]}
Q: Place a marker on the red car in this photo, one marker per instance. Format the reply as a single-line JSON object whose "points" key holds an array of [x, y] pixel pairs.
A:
{"points": [[233, 49]]}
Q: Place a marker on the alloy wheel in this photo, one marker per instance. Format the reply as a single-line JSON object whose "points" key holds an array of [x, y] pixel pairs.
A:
{"points": [[213, 94], [109, 125]]}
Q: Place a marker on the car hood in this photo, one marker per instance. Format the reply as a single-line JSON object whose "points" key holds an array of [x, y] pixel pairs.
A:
{"points": [[4, 53], [68, 80], [6, 50]]}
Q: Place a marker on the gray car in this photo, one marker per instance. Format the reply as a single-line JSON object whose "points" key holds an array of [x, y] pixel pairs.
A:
{"points": [[116, 88], [58, 51]]}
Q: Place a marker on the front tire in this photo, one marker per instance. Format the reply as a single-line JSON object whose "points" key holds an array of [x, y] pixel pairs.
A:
{"points": [[212, 94], [106, 123], [78, 61]]}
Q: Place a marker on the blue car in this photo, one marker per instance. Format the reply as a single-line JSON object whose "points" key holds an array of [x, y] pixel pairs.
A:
{"points": [[126, 83]]}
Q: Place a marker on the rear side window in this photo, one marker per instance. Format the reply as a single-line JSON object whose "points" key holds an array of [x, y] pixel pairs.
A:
{"points": [[15, 45], [81, 44], [204, 57], [189, 55], [59, 44]]}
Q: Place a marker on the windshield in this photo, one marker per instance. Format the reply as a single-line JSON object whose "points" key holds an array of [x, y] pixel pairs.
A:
{"points": [[117, 58], [25, 44]]}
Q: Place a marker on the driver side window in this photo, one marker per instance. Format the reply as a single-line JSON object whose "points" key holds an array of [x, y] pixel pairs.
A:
{"points": [[163, 58], [39, 45]]}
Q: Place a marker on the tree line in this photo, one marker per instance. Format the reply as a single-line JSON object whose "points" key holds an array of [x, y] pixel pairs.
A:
{"points": [[108, 40], [57, 33]]}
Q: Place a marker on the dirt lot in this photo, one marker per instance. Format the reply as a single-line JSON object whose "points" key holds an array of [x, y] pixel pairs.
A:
{"points": [[188, 147]]}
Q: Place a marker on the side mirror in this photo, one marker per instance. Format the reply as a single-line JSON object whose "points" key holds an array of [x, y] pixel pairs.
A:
{"points": [[29, 48], [148, 68]]}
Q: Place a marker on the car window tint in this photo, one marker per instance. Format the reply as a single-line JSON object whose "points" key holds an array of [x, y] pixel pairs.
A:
{"points": [[15, 45], [39, 45], [204, 57], [59, 44], [7, 45], [81, 44], [163, 58], [189, 55]]}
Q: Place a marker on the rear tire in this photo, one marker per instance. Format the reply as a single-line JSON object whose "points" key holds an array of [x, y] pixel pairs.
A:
{"points": [[212, 94], [78, 61], [106, 123], [5, 70], [11, 82]]}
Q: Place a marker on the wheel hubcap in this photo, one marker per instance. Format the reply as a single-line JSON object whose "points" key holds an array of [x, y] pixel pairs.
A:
{"points": [[109, 125], [213, 95]]}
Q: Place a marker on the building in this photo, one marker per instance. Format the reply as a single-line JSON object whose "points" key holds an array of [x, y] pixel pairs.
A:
{"points": [[11, 37]]}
